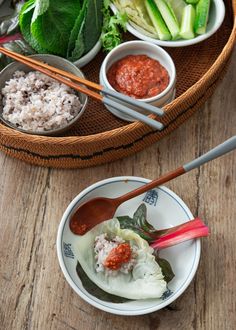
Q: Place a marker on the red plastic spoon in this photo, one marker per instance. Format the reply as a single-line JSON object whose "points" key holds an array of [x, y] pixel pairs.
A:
{"points": [[99, 209]]}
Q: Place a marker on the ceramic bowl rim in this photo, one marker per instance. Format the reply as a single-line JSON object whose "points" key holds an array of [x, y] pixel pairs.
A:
{"points": [[158, 50], [68, 278]]}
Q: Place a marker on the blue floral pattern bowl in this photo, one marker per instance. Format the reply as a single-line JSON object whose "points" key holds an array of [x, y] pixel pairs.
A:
{"points": [[164, 209]]}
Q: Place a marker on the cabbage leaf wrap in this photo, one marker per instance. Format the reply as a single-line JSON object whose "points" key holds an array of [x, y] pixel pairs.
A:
{"points": [[143, 282]]}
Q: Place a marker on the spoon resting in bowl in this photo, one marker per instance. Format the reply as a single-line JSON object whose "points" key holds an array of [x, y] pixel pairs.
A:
{"points": [[99, 209]]}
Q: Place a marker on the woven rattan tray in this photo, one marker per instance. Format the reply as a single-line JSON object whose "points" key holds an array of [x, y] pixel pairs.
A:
{"points": [[100, 137]]}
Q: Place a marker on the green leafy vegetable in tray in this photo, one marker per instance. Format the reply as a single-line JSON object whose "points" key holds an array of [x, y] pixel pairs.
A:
{"points": [[72, 28], [66, 28], [167, 19], [111, 34]]}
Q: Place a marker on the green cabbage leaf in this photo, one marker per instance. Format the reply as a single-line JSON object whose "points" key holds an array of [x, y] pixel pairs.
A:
{"points": [[144, 281]]}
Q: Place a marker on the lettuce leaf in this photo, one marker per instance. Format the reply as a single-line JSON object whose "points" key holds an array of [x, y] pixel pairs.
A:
{"points": [[76, 43], [52, 28], [86, 31], [41, 6], [111, 34], [65, 28], [25, 18], [93, 23], [146, 279]]}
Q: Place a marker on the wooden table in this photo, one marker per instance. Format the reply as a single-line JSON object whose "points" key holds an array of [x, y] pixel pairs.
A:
{"points": [[34, 293]]}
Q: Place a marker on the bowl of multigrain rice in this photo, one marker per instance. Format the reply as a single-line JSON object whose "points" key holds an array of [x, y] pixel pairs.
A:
{"points": [[34, 103]]}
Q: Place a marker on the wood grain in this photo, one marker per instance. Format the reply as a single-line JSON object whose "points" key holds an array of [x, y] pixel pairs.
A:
{"points": [[33, 291]]}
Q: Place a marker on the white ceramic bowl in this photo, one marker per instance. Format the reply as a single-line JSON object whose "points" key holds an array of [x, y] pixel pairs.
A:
{"points": [[164, 209], [140, 48], [85, 59], [216, 17]]}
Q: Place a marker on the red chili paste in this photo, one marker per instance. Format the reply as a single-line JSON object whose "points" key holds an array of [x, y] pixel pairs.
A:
{"points": [[117, 256], [138, 76]]}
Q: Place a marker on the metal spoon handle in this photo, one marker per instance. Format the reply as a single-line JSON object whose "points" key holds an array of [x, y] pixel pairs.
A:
{"points": [[127, 99], [218, 151], [134, 114]]}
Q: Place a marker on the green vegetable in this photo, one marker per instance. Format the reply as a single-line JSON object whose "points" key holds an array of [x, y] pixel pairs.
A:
{"points": [[169, 17], [65, 28], [86, 31], [94, 290], [147, 280], [202, 13], [25, 18], [157, 20], [178, 7], [186, 30], [165, 268], [192, 2], [138, 223], [138, 15], [76, 43], [93, 23], [40, 8], [111, 35], [52, 22]]}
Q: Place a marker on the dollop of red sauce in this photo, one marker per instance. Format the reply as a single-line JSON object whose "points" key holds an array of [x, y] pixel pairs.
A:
{"points": [[138, 76], [117, 256]]}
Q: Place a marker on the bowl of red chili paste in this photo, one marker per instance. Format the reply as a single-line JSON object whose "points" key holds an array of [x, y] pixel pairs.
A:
{"points": [[140, 70]]}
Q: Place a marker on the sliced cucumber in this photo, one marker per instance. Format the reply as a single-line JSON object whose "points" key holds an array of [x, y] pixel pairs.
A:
{"points": [[186, 29], [192, 2], [157, 20], [202, 13], [169, 17], [178, 7]]}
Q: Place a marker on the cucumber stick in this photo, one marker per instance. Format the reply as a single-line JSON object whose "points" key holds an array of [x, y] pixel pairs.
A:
{"points": [[169, 17], [187, 23], [157, 20], [191, 2], [178, 7], [202, 13]]}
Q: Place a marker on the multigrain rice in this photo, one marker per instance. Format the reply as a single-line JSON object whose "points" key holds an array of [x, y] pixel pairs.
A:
{"points": [[35, 102], [103, 246]]}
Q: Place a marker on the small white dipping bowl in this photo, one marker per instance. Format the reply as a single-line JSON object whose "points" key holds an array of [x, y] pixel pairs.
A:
{"points": [[140, 48], [164, 209]]}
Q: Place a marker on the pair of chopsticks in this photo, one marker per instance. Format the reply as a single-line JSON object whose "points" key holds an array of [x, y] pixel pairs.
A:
{"points": [[61, 75]]}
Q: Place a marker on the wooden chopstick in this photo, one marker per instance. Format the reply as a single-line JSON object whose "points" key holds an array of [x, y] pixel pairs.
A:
{"points": [[88, 83], [52, 69], [56, 74], [35, 65]]}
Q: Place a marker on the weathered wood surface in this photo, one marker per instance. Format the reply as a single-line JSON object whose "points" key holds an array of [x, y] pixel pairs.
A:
{"points": [[33, 291]]}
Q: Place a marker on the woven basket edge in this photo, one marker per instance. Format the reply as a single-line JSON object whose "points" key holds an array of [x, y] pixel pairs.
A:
{"points": [[133, 127]]}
